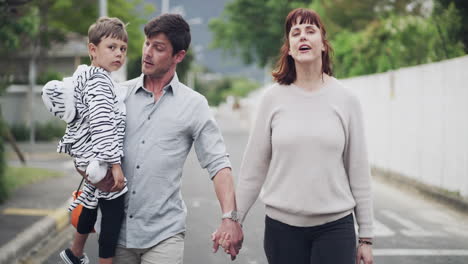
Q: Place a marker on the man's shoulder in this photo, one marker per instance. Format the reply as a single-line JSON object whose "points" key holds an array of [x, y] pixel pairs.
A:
{"points": [[189, 92]]}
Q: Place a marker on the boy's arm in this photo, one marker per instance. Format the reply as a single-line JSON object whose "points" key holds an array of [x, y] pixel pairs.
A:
{"points": [[100, 98]]}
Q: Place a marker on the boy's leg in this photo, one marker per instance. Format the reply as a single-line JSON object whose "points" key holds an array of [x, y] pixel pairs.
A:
{"points": [[112, 217], [85, 226]]}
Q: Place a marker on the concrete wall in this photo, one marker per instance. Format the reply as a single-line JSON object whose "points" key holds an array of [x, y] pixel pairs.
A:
{"points": [[15, 105], [417, 122]]}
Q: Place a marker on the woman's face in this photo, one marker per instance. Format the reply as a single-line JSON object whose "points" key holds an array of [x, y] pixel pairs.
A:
{"points": [[305, 43]]}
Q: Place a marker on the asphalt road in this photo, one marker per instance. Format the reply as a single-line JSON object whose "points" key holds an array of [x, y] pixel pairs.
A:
{"points": [[409, 229]]}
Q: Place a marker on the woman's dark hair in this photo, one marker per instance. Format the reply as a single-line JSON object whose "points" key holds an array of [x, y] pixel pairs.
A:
{"points": [[285, 71]]}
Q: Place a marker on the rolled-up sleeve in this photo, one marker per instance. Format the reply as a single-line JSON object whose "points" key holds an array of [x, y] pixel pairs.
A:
{"points": [[208, 141]]}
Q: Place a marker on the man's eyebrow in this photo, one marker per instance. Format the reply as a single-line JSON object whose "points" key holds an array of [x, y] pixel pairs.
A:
{"points": [[157, 42]]}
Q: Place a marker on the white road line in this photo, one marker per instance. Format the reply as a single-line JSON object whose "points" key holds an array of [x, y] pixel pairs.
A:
{"points": [[412, 229], [382, 230], [419, 252], [195, 203]]}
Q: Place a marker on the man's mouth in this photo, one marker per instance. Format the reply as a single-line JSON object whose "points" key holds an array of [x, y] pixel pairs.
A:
{"points": [[147, 62]]}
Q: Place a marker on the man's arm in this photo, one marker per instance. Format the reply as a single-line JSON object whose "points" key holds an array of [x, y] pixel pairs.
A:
{"points": [[229, 230]]}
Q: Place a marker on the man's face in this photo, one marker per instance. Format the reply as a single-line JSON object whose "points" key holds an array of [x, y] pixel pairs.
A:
{"points": [[157, 58]]}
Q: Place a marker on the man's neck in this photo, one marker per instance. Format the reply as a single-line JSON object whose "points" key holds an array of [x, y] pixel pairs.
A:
{"points": [[156, 84]]}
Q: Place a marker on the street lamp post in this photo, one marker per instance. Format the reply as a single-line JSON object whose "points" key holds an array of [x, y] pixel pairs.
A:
{"points": [[165, 6], [102, 8]]}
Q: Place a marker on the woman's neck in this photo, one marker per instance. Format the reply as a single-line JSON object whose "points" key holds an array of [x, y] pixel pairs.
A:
{"points": [[310, 77]]}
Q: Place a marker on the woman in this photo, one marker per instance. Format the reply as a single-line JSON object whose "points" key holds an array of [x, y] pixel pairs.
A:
{"points": [[307, 151]]}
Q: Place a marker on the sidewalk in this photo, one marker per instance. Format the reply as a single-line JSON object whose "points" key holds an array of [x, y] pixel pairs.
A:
{"points": [[35, 211]]}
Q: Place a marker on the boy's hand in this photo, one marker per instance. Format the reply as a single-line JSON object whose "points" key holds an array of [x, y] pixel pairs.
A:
{"points": [[105, 184], [119, 179]]}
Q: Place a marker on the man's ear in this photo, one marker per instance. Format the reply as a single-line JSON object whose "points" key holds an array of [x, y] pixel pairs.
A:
{"points": [[179, 57], [92, 50]]}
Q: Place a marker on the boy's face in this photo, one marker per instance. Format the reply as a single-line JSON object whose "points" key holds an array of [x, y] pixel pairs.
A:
{"points": [[109, 54]]}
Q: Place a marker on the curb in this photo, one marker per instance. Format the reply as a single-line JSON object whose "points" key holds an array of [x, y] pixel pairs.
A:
{"points": [[29, 238], [441, 195]]}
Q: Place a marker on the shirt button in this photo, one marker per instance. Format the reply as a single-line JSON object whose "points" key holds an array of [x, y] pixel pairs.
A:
{"points": [[133, 192], [142, 142], [131, 216], [149, 118], [138, 166]]}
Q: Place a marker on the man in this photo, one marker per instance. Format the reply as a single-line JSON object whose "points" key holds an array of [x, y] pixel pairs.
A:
{"points": [[164, 119]]}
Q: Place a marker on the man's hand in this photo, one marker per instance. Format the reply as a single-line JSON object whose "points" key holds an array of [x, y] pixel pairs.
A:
{"points": [[229, 236], [119, 179], [364, 254], [105, 184]]}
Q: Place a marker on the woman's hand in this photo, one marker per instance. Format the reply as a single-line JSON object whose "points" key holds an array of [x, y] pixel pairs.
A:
{"points": [[364, 254]]}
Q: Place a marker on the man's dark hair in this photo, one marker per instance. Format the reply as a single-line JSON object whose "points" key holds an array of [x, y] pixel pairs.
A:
{"points": [[174, 26]]}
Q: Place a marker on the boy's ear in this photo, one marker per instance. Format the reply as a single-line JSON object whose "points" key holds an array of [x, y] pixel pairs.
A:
{"points": [[92, 50], [179, 57]]}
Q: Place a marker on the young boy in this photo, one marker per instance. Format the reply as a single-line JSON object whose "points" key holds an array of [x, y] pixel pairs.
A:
{"points": [[93, 107]]}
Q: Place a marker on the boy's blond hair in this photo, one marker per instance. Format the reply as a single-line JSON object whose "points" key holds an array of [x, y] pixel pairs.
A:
{"points": [[107, 27]]}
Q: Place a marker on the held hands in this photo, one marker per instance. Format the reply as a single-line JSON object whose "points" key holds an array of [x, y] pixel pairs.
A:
{"points": [[229, 236]]}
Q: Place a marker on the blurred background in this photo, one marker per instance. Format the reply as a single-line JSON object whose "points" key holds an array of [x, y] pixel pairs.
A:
{"points": [[405, 59]]}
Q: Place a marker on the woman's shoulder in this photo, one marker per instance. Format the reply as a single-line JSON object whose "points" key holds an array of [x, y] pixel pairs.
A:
{"points": [[345, 96]]}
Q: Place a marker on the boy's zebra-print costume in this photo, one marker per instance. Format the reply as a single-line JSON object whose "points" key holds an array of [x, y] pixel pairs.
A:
{"points": [[93, 107]]}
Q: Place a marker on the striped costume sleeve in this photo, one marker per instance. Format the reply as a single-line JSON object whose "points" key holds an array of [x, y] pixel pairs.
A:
{"points": [[101, 100]]}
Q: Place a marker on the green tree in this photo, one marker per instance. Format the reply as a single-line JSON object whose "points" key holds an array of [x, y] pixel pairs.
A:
{"points": [[462, 7], [368, 36], [3, 187], [40, 23], [252, 29]]}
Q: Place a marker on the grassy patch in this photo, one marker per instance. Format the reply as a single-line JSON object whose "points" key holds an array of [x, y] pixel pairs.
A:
{"points": [[17, 177]]}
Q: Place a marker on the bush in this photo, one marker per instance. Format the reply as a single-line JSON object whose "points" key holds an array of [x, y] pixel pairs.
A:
{"points": [[3, 185], [49, 76], [43, 131], [20, 132]]}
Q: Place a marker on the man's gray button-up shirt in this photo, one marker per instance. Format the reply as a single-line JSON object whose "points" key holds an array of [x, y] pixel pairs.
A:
{"points": [[159, 136]]}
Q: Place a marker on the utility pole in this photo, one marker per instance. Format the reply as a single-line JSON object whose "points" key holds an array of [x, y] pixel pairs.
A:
{"points": [[165, 6], [102, 8], [32, 84]]}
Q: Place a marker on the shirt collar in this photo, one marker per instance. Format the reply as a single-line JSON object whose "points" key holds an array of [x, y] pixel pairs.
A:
{"points": [[172, 86]]}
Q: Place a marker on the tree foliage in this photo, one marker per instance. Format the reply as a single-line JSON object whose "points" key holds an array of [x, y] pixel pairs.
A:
{"points": [[40, 23], [252, 29], [396, 42], [368, 36], [462, 7]]}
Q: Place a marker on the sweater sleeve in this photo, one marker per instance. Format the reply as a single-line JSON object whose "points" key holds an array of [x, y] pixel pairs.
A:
{"points": [[358, 170], [256, 159], [100, 99]]}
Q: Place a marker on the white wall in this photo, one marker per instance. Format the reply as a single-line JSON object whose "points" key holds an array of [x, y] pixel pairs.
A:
{"points": [[417, 121]]}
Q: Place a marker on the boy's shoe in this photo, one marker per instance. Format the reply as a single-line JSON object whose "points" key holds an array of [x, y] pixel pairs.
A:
{"points": [[68, 257]]}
